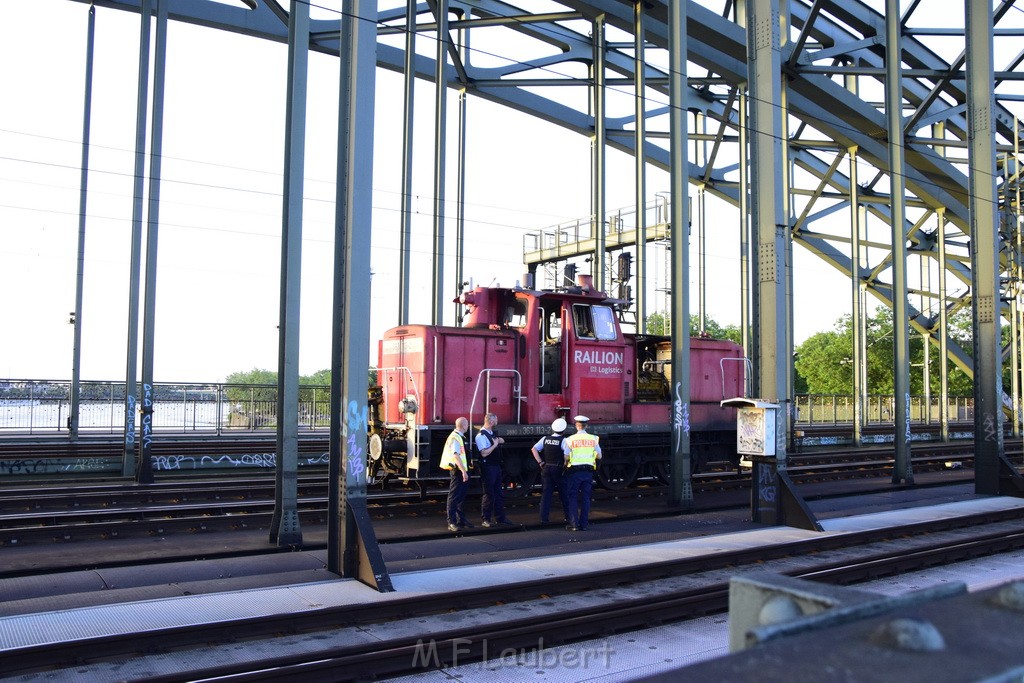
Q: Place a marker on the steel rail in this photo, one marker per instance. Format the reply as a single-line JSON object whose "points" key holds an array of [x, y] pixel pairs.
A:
{"points": [[196, 517], [395, 655]]}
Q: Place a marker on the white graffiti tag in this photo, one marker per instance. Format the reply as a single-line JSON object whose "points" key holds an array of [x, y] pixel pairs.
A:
{"points": [[680, 417]]}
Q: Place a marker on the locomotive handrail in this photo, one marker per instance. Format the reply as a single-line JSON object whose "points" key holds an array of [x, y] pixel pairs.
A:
{"points": [[416, 393], [433, 394], [746, 375], [517, 391], [542, 335], [412, 380], [565, 366]]}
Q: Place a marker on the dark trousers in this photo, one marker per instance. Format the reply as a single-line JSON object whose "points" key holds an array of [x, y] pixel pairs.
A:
{"points": [[493, 501], [579, 486], [552, 480], [456, 497]]}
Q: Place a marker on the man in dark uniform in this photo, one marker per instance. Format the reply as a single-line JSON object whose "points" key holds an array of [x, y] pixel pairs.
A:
{"points": [[492, 503], [549, 455]]}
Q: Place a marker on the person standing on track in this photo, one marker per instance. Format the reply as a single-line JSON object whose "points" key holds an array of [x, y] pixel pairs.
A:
{"points": [[549, 455], [455, 459], [492, 504], [582, 451]]}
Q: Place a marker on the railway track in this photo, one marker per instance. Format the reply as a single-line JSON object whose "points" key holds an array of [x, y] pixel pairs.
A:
{"points": [[202, 504], [604, 601]]}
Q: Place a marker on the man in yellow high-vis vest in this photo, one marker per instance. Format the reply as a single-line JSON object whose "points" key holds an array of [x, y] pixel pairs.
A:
{"points": [[582, 452], [456, 459]]}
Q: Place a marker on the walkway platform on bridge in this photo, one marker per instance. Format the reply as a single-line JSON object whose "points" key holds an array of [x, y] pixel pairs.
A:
{"points": [[701, 534]]}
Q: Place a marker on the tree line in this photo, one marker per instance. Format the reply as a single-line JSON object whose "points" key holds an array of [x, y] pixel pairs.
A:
{"points": [[823, 363]]}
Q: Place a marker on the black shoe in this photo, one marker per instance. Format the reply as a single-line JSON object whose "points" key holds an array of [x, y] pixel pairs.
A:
{"points": [[487, 524], [570, 527], [452, 527], [467, 525], [505, 522]]}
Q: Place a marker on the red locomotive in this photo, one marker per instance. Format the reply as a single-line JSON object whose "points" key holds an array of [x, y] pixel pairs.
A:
{"points": [[530, 357]]}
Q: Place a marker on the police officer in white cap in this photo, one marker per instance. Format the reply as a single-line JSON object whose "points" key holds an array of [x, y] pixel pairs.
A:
{"points": [[549, 455], [582, 451]]}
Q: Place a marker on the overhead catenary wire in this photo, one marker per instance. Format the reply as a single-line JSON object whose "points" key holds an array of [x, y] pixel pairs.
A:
{"points": [[314, 199]]}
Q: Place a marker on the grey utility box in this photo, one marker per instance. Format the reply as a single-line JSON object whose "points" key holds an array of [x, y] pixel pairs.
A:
{"points": [[755, 438], [755, 425]]}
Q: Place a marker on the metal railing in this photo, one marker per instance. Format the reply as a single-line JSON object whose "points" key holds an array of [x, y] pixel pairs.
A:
{"points": [[826, 409], [43, 407]]}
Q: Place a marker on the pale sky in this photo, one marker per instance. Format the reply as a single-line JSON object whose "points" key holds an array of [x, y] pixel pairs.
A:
{"points": [[221, 201]]}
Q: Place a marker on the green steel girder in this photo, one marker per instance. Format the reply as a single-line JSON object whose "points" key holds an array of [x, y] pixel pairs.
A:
{"points": [[841, 29]]}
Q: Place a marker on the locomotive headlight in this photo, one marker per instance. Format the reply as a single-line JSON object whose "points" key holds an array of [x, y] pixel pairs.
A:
{"points": [[375, 447], [407, 405]]}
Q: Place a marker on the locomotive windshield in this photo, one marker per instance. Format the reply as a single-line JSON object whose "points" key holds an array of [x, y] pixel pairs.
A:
{"points": [[604, 323], [594, 322]]}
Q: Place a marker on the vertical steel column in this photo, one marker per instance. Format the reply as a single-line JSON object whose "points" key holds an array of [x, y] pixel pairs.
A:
{"points": [[681, 492], [440, 147], [940, 214], [284, 526], [859, 356], [598, 145], [988, 381], [1013, 280], [700, 124], [746, 275], [902, 467], [352, 549], [939, 132], [145, 473], [460, 208], [128, 462], [1019, 288], [786, 399], [639, 138], [768, 210], [746, 263], [862, 369], [926, 341], [408, 110], [856, 306], [83, 201]]}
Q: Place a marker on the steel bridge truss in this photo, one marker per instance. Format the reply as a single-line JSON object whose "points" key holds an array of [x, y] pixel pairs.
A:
{"points": [[834, 68], [873, 125]]}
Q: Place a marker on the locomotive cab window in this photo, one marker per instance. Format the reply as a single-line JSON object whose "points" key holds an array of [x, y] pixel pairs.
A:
{"points": [[551, 324], [516, 312], [594, 322], [583, 321]]}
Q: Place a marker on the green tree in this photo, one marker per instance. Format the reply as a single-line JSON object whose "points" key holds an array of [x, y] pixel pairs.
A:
{"points": [[825, 360], [320, 378], [823, 363], [261, 385], [659, 324], [256, 384]]}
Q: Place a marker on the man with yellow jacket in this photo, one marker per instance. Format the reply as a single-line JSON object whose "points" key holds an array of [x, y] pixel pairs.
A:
{"points": [[582, 451], [456, 459]]}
